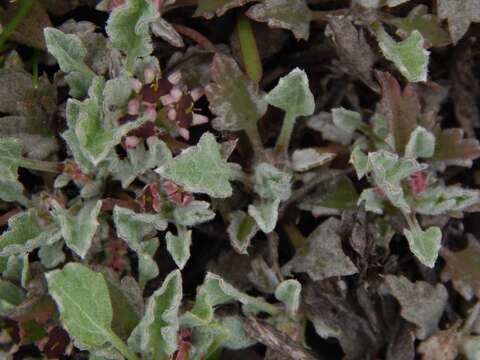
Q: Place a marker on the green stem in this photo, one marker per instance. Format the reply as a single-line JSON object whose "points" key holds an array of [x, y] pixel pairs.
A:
{"points": [[39, 165], [249, 49], [255, 140], [120, 346], [281, 147], [24, 9]]}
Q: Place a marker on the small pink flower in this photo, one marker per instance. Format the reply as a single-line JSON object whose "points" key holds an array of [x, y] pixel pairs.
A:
{"points": [[131, 142], [133, 107], [418, 182], [377, 190]]}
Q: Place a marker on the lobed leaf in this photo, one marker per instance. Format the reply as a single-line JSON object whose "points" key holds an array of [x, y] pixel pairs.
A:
{"points": [[241, 229], [288, 292], [179, 245], [265, 213], [425, 245]]}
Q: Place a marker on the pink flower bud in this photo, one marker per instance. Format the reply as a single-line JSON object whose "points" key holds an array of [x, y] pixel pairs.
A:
{"points": [[136, 85], [167, 100], [172, 114], [149, 75], [133, 107], [176, 94], [197, 93], [131, 142], [175, 77], [150, 113], [184, 133], [199, 119], [418, 182]]}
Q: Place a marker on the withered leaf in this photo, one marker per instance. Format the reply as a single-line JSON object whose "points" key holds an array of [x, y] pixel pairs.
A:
{"points": [[293, 15], [451, 148], [443, 345], [463, 269], [460, 13], [421, 304]]}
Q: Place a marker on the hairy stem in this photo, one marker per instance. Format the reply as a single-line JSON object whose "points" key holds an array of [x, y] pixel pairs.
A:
{"points": [[283, 141], [39, 165], [249, 49], [195, 36]]}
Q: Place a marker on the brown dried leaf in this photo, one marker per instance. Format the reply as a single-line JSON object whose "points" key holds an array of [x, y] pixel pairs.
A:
{"points": [[354, 52], [421, 303], [451, 148], [443, 345], [30, 30], [402, 346], [463, 269], [293, 15], [460, 13], [209, 8], [276, 340]]}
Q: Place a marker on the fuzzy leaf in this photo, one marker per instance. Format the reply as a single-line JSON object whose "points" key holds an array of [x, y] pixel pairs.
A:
{"points": [[10, 296], [307, 159], [70, 54], [196, 212], [388, 171], [78, 230], [84, 304], [210, 8], [322, 256], [372, 201], [272, 183], [293, 15], [452, 149], [167, 32], [288, 292], [156, 335], [201, 169], [347, 120], [117, 92], [442, 199], [421, 144], [422, 304], [292, 94], [427, 24], [409, 55], [241, 230], [333, 200], [234, 98], [265, 213], [24, 234], [129, 28], [52, 255], [460, 14], [360, 162], [425, 245], [179, 246], [139, 160], [237, 337], [10, 154]]}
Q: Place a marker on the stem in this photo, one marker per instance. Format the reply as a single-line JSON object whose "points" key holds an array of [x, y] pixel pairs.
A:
{"points": [[195, 36], [39, 165], [120, 346], [281, 147], [325, 16], [249, 49], [255, 140], [24, 9], [296, 237]]}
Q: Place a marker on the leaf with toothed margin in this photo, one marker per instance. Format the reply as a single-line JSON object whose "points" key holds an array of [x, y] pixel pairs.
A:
{"points": [[129, 28], [453, 149], [425, 245], [78, 230], [194, 213], [84, 304], [241, 230], [179, 245], [272, 183], [155, 337], [201, 169], [288, 292], [409, 55], [372, 201], [293, 15], [10, 154], [438, 200], [236, 100], [265, 213]]}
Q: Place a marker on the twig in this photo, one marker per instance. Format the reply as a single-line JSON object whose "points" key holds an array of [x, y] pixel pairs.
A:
{"points": [[195, 36]]}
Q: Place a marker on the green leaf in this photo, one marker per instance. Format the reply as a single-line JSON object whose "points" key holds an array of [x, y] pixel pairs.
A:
{"points": [[421, 144], [272, 183], [129, 28], [237, 337], [78, 230], [194, 213], [409, 55], [360, 162], [10, 154], [288, 292], [117, 92], [427, 24], [70, 54], [293, 15], [10, 296], [85, 308], [156, 335], [201, 169], [210, 8], [236, 100], [139, 161], [342, 195], [322, 255], [389, 171], [460, 14], [25, 234], [292, 94], [52, 255], [425, 245], [372, 201], [179, 245], [440, 200], [309, 158], [241, 229], [265, 213], [347, 120], [132, 228]]}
